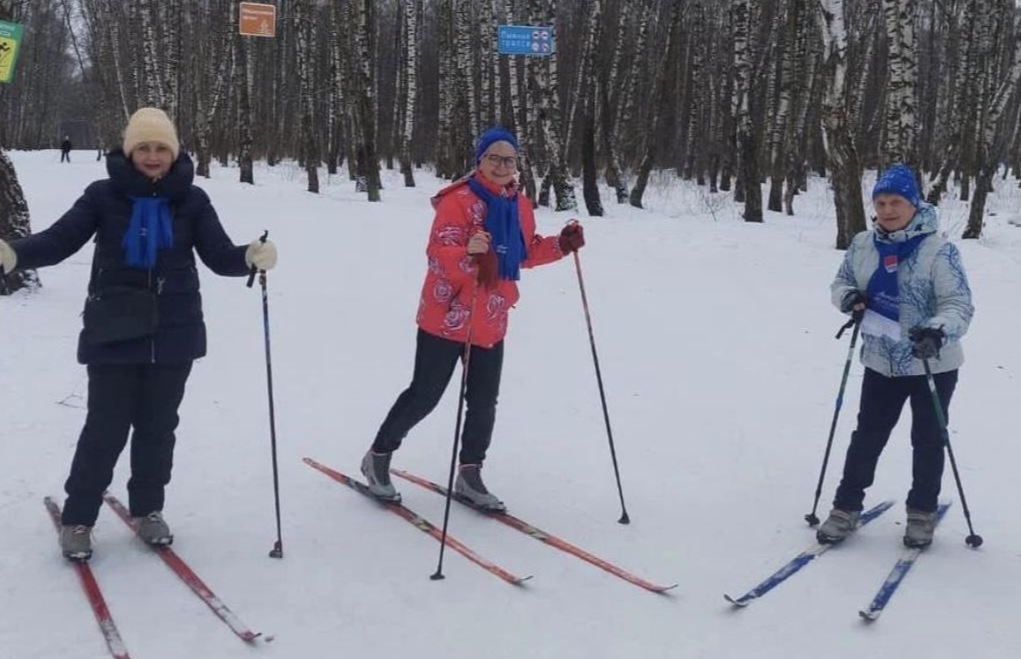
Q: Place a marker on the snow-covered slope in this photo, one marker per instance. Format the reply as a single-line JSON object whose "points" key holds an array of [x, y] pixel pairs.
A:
{"points": [[716, 342]]}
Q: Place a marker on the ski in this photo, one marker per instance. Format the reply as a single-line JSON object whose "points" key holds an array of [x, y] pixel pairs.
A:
{"points": [[801, 560], [538, 534], [188, 576], [93, 593], [421, 523], [900, 570]]}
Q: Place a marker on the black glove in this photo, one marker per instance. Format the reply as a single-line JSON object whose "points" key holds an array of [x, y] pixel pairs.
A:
{"points": [[926, 342], [852, 299]]}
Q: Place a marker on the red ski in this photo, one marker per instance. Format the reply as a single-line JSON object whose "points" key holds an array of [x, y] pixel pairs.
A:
{"points": [[189, 577], [539, 535], [421, 523], [94, 595]]}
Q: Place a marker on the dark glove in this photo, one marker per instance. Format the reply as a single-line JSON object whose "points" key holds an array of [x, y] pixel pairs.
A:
{"points": [[926, 342], [488, 269], [852, 299], [572, 238]]}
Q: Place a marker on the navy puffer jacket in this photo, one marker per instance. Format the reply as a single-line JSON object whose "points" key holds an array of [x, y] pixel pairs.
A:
{"points": [[104, 211]]}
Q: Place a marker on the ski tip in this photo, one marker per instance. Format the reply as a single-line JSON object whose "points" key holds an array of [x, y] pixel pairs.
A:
{"points": [[521, 580], [868, 616], [252, 637], [737, 602], [664, 589]]}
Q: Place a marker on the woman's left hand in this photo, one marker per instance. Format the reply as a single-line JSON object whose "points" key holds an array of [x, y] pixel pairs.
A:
{"points": [[261, 255], [572, 238]]}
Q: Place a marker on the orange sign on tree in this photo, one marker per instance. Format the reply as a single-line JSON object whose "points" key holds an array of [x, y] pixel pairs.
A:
{"points": [[257, 19]]}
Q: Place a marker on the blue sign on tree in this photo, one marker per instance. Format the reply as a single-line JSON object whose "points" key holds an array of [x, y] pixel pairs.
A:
{"points": [[534, 40]]}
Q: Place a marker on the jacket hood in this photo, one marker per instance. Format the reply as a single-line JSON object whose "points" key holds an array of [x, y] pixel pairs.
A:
{"points": [[133, 183]]}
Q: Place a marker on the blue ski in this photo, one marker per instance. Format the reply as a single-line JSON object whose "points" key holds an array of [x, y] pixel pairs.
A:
{"points": [[900, 570], [800, 561]]}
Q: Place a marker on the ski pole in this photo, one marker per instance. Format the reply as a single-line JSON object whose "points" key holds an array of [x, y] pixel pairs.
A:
{"points": [[3, 281], [278, 547], [973, 540], [436, 576], [624, 519], [855, 322]]}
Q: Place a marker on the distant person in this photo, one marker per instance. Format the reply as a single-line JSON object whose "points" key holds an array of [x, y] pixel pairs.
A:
{"points": [[908, 287], [143, 324], [482, 235], [65, 149]]}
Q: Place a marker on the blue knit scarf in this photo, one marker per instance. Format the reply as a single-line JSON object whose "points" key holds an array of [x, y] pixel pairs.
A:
{"points": [[150, 230], [504, 229], [882, 289]]}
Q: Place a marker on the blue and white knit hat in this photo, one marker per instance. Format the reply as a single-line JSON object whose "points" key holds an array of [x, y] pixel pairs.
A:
{"points": [[898, 179]]}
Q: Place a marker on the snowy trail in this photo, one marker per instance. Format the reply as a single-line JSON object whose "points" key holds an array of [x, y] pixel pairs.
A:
{"points": [[716, 343]]}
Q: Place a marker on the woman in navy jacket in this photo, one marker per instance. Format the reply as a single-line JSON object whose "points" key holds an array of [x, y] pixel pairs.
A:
{"points": [[143, 322]]}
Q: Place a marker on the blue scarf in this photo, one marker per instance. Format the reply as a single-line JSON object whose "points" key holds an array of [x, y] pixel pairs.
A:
{"points": [[504, 229], [149, 231], [883, 292]]}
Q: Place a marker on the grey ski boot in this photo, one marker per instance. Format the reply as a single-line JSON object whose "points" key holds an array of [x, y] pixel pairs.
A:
{"points": [[76, 542], [376, 469], [153, 530], [839, 525], [920, 529], [470, 486]]}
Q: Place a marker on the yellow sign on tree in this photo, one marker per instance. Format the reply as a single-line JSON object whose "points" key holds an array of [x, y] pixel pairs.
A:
{"points": [[10, 44]]}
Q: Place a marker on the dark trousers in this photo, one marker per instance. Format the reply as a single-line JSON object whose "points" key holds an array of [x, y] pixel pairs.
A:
{"points": [[435, 359], [145, 397], [65, 156], [882, 400]]}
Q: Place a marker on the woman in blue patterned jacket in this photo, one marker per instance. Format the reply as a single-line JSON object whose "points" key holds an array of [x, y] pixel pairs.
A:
{"points": [[908, 286]]}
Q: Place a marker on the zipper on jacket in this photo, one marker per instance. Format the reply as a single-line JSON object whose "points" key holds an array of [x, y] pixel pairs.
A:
{"points": [[152, 339]]}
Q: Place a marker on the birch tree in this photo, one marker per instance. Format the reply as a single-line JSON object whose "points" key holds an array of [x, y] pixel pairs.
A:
{"points": [[303, 25], [845, 170]]}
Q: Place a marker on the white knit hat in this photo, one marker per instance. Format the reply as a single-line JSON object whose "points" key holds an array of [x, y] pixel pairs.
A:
{"points": [[150, 125]]}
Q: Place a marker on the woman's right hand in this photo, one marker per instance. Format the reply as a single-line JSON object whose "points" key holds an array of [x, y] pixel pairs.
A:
{"points": [[478, 243], [8, 259]]}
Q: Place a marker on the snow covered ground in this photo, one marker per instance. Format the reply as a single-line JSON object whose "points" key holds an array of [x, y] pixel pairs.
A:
{"points": [[716, 344]]}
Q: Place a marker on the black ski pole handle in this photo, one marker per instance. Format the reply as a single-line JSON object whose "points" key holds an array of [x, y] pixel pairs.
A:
{"points": [[856, 318], [251, 275]]}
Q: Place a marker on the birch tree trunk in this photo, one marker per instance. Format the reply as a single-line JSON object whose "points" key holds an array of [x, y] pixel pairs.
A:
{"points": [[411, 8], [902, 82], [151, 67], [988, 155], [219, 70], [747, 147], [845, 170], [366, 42], [303, 25], [549, 112]]}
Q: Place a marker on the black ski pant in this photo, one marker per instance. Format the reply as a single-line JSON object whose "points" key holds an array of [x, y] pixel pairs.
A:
{"points": [[882, 400], [142, 396], [65, 156], [435, 359]]}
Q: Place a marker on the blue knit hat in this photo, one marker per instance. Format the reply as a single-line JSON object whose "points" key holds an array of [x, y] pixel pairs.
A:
{"points": [[899, 180], [488, 138]]}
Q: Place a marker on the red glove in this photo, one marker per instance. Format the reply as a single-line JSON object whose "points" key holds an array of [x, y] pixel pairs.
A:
{"points": [[488, 269], [572, 238]]}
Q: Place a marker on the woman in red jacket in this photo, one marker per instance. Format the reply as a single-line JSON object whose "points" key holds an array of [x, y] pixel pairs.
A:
{"points": [[483, 234]]}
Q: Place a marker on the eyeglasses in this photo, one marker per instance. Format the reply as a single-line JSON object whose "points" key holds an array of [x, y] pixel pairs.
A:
{"points": [[510, 162]]}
